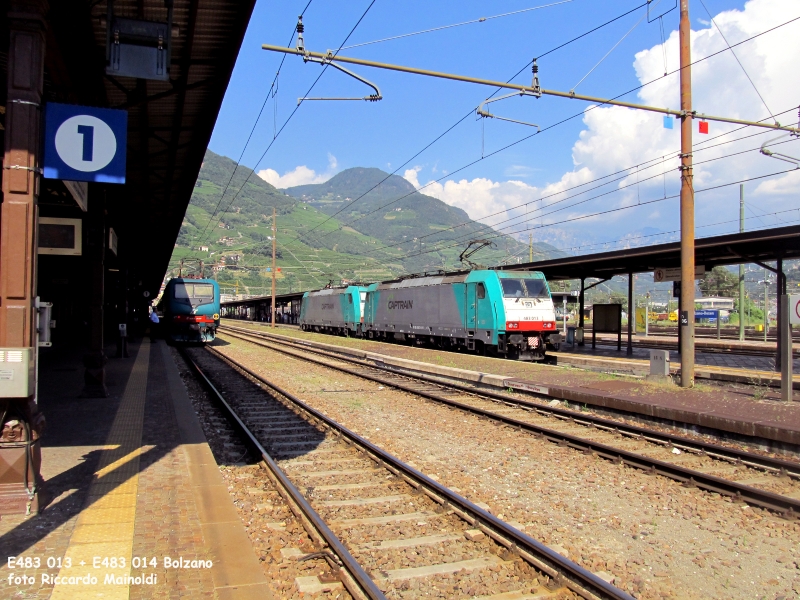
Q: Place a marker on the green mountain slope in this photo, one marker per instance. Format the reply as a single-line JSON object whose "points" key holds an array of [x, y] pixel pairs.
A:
{"points": [[236, 244], [312, 247], [396, 213]]}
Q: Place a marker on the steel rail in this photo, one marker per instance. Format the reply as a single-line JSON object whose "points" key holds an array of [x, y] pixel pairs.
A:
{"points": [[578, 579], [366, 583], [330, 57], [787, 507], [733, 455]]}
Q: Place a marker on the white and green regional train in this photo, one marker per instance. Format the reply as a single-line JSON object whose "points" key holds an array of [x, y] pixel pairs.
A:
{"points": [[497, 313]]}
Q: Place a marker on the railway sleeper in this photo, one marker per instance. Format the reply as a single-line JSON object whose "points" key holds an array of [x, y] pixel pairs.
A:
{"points": [[315, 535]]}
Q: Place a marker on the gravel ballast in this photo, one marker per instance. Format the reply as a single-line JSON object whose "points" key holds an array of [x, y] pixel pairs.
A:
{"points": [[657, 538]]}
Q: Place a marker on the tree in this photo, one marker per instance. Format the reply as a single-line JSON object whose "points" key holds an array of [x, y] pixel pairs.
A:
{"points": [[719, 282]]}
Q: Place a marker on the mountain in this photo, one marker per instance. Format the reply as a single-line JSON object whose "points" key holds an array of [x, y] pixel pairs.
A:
{"points": [[390, 208], [236, 244], [228, 226]]}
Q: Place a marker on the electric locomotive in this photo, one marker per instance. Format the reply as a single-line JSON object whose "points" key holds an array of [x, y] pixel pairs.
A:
{"points": [[190, 310], [337, 310], [500, 313]]}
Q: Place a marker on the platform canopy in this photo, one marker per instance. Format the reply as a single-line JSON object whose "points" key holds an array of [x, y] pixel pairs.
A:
{"points": [[169, 122], [763, 246]]}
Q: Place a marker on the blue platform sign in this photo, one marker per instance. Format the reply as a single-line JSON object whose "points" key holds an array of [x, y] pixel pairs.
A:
{"points": [[706, 314], [84, 143]]}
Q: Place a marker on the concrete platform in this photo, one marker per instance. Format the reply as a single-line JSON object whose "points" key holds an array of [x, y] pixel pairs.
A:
{"points": [[703, 345], [131, 490], [734, 368]]}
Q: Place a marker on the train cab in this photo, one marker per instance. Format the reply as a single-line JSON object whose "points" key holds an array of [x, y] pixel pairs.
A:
{"points": [[190, 310]]}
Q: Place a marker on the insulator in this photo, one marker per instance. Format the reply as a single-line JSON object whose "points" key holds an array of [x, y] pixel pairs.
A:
{"points": [[300, 27], [535, 67]]}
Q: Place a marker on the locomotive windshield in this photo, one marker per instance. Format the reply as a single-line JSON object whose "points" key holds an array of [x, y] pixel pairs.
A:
{"points": [[524, 288], [200, 291]]}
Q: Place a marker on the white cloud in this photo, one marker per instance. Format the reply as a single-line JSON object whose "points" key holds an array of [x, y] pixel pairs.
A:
{"points": [[300, 175], [787, 184], [617, 138], [412, 176], [516, 171], [332, 162]]}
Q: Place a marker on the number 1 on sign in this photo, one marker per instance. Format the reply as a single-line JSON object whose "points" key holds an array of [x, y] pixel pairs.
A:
{"points": [[87, 131]]}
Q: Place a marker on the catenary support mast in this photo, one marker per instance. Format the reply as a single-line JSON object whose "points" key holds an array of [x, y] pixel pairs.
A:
{"points": [[741, 266], [274, 244], [686, 317]]}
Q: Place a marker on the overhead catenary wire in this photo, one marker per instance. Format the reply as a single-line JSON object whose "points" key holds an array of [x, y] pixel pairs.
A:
{"points": [[616, 177], [746, 74], [271, 93], [533, 216], [565, 120], [617, 209], [473, 21], [607, 54], [462, 119], [296, 108], [592, 108], [674, 231], [541, 215]]}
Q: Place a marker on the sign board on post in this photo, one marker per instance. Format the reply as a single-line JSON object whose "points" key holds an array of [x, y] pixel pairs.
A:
{"points": [[607, 318], [790, 315], [794, 309], [83, 143], [706, 314], [674, 274]]}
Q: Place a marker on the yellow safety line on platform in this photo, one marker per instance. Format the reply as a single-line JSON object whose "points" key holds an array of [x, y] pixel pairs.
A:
{"points": [[105, 528]]}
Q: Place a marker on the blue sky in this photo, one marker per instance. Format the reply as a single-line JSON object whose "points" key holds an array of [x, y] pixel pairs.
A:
{"points": [[326, 137]]}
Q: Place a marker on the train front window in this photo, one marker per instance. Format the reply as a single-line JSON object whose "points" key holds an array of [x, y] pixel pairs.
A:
{"points": [[183, 291], [203, 290], [512, 288], [190, 291], [536, 288]]}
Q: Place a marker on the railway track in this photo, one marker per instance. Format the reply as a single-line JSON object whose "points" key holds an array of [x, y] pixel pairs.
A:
{"points": [[759, 480], [384, 527]]}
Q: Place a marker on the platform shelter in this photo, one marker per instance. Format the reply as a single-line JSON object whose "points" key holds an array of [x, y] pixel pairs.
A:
{"points": [[94, 241]]}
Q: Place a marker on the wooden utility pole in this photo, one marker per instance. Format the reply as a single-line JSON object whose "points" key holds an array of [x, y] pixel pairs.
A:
{"points": [[274, 246], [686, 316]]}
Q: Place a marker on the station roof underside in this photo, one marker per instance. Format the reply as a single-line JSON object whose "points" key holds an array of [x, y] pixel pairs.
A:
{"points": [[169, 122], [280, 299], [763, 246]]}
